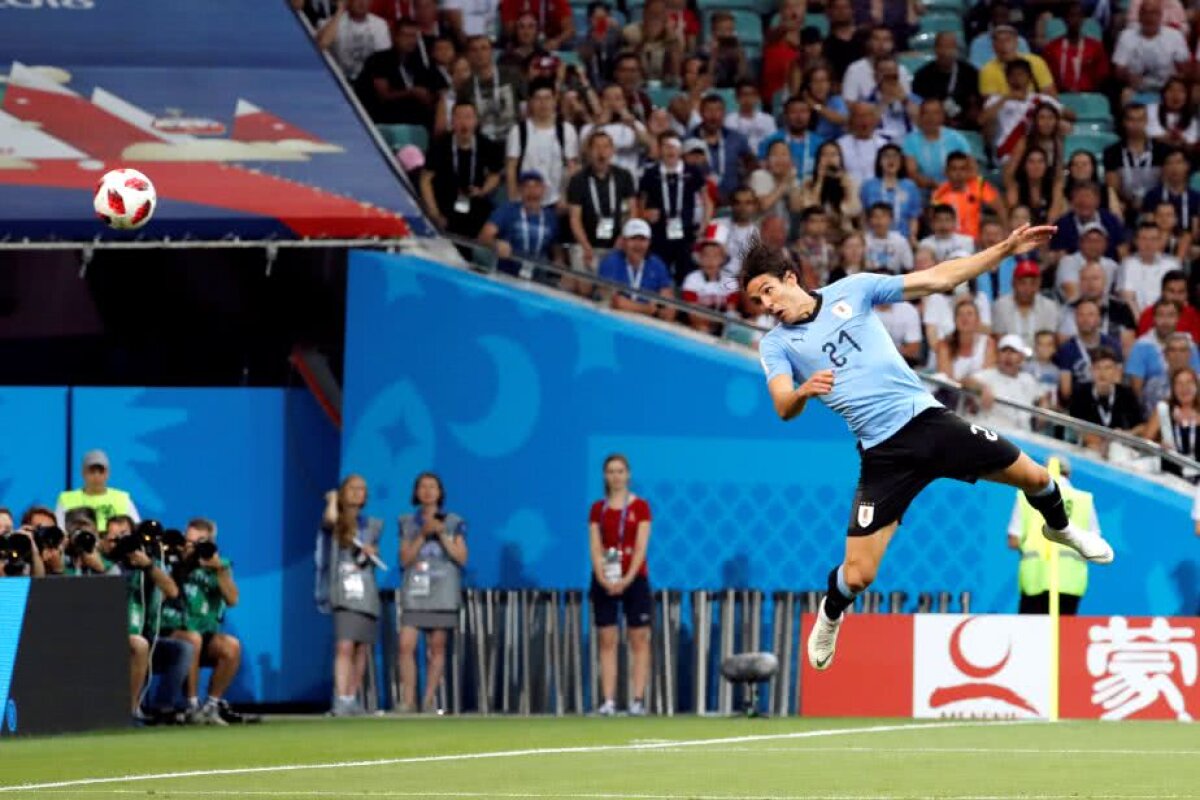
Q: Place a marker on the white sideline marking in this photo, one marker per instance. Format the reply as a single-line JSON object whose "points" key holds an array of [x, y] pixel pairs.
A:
{"points": [[613, 796], [991, 751], [542, 751]]}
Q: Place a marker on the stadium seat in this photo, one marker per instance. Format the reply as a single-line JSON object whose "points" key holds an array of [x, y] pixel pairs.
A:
{"points": [[923, 41], [729, 5], [1194, 183], [819, 21], [398, 136], [1087, 106], [660, 96], [976, 142], [936, 23], [1055, 28], [1093, 126], [728, 95], [981, 50], [1093, 142], [943, 6], [914, 61], [569, 57]]}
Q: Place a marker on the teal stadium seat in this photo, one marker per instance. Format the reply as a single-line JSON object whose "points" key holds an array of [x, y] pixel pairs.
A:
{"points": [[814, 19], [1055, 28], [1087, 106], [914, 61], [937, 23], [706, 6], [978, 148], [1092, 142], [1093, 126], [661, 96], [924, 41], [944, 7], [398, 136]]}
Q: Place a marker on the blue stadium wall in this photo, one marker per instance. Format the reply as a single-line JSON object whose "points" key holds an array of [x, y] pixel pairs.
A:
{"points": [[255, 460], [515, 398]]}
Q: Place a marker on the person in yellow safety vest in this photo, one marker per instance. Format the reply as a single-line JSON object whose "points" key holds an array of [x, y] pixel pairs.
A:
{"points": [[1025, 535], [96, 494]]}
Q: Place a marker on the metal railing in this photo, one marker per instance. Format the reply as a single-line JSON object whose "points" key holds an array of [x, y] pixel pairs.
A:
{"points": [[745, 333]]}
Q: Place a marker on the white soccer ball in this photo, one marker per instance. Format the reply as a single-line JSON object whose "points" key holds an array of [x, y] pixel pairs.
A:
{"points": [[125, 199]]}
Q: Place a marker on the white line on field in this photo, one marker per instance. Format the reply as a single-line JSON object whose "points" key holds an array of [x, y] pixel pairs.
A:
{"points": [[606, 796], [940, 750], [542, 751]]}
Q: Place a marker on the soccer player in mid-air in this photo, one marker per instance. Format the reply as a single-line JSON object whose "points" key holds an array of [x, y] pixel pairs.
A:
{"points": [[829, 344]]}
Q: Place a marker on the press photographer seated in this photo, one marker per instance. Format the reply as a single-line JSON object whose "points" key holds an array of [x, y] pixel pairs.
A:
{"points": [[208, 589]]}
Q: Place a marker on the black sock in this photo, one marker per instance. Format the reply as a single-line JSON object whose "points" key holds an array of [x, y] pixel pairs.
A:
{"points": [[1049, 503], [836, 598]]}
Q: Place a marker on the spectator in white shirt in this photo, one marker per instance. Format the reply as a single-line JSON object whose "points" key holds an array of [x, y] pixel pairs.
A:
{"points": [[903, 324], [860, 82], [474, 17], [887, 250], [631, 141], [1143, 271], [543, 144], [1149, 54], [945, 242], [861, 145], [1006, 381], [1093, 242], [749, 119], [1026, 311], [353, 35]]}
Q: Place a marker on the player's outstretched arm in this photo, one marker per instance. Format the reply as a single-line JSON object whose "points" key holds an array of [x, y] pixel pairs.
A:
{"points": [[790, 399], [945, 276]]}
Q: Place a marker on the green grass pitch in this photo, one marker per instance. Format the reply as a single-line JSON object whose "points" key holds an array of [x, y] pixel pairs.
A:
{"points": [[651, 759]]}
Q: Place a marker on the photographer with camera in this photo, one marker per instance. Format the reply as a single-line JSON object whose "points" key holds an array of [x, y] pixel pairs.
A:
{"points": [[433, 551], [20, 556], [208, 590], [135, 554], [346, 555]]}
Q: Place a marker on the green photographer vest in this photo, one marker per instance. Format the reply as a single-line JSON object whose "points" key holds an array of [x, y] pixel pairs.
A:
{"points": [[1034, 574]]}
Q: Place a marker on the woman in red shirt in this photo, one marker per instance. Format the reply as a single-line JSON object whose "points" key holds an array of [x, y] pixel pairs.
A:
{"points": [[619, 530]]}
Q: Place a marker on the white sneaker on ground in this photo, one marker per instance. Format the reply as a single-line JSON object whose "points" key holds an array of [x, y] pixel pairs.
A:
{"points": [[822, 640], [607, 709], [1089, 545], [210, 714], [637, 709]]}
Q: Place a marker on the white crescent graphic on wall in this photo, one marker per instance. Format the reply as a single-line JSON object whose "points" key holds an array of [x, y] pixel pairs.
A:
{"points": [[510, 420]]}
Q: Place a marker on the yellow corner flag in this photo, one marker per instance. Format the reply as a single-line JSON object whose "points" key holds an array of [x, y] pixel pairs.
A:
{"points": [[1055, 470]]}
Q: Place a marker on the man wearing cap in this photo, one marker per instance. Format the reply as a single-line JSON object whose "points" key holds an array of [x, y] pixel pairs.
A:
{"points": [[670, 194], [1026, 311], [1025, 535], [631, 265], [524, 228], [1006, 381], [96, 494], [709, 286], [993, 78]]}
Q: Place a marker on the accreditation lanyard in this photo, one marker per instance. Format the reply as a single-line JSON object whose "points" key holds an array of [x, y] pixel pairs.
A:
{"points": [[1182, 444], [1139, 163], [495, 91], [1064, 58], [635, 282], [470, 175], [1184, 218], [612, 197], [803, 142], [719, 152], [541, 232], [1106, 415], [624, 515], [678, 212], [1084, 373]]}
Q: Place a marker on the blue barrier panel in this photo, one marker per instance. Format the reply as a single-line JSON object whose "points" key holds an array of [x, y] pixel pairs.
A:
{"points": [[33, 460], [256, 461], [516, 397]]}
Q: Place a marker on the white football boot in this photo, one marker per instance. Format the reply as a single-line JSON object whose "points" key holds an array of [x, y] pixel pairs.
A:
{"points": [[1089, 545], [822, 640]]}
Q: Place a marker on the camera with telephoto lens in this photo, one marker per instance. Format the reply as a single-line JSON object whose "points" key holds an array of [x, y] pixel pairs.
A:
{"points": [[16, 553], [48, 537], [173, 544], [145, 538], [205, 549]]}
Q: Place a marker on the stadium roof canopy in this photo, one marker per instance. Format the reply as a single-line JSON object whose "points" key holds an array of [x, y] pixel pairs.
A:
{"points": [[227, 106]]}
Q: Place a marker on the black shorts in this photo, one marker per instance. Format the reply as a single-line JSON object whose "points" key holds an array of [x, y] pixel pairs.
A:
{"points": [[934, 444], [637, 601]]}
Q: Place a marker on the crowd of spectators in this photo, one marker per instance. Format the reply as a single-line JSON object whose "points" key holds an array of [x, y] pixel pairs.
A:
{"points": [[646, 142]]}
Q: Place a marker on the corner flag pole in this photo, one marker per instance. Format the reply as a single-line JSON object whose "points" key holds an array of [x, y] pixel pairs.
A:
{"points": [[1055, 470]]}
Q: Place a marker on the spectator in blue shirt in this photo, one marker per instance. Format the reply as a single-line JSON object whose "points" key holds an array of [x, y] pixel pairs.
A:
{"points": [[1174, 189], [631, 265], [802, 142], [892, 186], [1085, 211], [829, 109], [728, 150], [522, 228], [930, 144], [1146, 358]]}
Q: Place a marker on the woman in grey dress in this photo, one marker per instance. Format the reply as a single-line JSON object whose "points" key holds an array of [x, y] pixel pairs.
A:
{"points": [[433, 551], [345, 587]]}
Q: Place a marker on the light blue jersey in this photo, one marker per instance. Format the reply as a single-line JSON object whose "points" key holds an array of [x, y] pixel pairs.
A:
{"points": [[873, 389]]}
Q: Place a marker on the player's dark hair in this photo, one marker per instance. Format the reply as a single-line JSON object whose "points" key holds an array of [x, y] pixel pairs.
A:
{"points": [[611, 458], [441, 501], [1172, 276], [760, 259]]}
